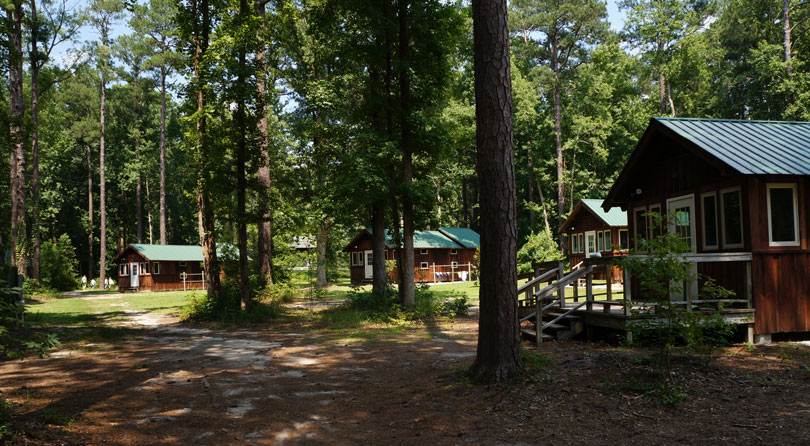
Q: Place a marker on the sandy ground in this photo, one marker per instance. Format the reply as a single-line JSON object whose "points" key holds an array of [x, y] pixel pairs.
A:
{"points": [[173, 385]]}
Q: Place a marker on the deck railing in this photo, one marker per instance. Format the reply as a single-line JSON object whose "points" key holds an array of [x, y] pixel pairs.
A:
{"points": [[189, 280], [460, 272]]}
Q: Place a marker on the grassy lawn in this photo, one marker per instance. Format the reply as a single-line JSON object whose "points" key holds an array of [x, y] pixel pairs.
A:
{"points": [[95, 308]]}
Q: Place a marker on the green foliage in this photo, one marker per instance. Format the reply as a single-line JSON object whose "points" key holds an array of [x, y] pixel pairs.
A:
{"points": [[276, 293], [540, 247], [58, 265], [662, 272], [534, 365], [17, 338]]}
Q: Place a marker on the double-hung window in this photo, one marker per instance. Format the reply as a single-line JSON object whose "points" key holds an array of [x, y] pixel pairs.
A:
{"points": [[783, 214], [608, 246], [731, 205], [624, 239], [709, 207]]}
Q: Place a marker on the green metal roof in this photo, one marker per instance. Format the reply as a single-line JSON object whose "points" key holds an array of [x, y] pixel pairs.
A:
{"points": [[190, 253], [466, 237], [458, 238], [614, 217], [750, 147]]}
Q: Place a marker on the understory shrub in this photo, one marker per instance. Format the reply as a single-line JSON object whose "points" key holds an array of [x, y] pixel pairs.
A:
{"points": [[226, 308], [426, 304], [17, 338], [58, 265], [276, 293]]}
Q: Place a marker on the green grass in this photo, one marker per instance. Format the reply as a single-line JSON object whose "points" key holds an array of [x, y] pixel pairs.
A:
{"points": [[75, 311]]}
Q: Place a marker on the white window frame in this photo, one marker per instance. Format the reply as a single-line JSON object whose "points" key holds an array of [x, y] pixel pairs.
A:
{"points": [[608, 241], [620, 239], [357, 258], [454, 252], [635, 226], [454, 265], [737, 189], [181, 264], [581, 242], [423, 251], [424, 265], [600, 241], [655, 209], [155, 267], [717, 219], [143, 268], [692, 219], [123, 269], [768, 187], [574, 244]]}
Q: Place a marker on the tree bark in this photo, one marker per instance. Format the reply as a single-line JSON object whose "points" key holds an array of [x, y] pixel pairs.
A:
{"points": [[102, 208], [379, 278], [498, 354], [322, 242], [163, 233], [148, 211], [539, 192], [788, 45], [265, 228], [16, 133], [90, 261], [35, 65], [241, 179], [555, 67], [406, 282], [205, 208]]}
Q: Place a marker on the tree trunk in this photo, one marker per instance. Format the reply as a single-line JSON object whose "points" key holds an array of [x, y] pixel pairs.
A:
{"points": [[35, 64], [90, 261], [555, 66], [322, 242], [539, 192], [465, 215], [669, 99], [241, 179], [662, 90], [139, 202], [265, 229], [379, 277], [788, 45], [102, 269], [16, 133], [163, 235], [406, 282], [148, 211], [205, 205], [498, 355]]}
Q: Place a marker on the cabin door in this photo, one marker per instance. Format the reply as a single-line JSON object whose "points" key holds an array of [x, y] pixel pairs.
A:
{"points": [[590, 243], [133, 274], [683, 224], [369, 259]]}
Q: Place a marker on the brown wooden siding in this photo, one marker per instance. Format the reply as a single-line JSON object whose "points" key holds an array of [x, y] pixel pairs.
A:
{"points": [[782, 292]]}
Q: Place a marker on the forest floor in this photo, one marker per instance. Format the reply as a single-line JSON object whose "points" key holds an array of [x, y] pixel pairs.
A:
{"points": [[145, 379]]}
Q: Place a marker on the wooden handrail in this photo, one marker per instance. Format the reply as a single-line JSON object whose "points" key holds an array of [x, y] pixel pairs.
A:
{"points": [[541, 278]]}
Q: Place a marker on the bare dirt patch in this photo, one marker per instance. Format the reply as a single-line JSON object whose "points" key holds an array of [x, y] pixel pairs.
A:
{"points": [[289, 385]]}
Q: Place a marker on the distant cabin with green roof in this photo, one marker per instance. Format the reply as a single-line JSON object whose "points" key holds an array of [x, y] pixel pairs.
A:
{"points": [[143, 267], [442, 255], [590, 230]]}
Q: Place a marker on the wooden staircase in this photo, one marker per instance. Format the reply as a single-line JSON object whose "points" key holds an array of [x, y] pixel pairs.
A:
{"points": [[557, 319]]}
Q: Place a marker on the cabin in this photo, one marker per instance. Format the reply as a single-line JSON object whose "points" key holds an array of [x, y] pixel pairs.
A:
{"points": [[591, 231], [443, 255], [739, 190], [144, 267]]}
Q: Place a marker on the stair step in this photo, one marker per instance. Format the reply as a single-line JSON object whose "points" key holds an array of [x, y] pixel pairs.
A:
{"points": [[533, 334], [555, 326], [555, 315]]}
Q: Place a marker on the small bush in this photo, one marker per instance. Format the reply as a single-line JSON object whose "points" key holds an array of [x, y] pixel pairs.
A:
{"points": [[16, 337], [456, 306], [275, 293], [58, 265], [385, 302]]}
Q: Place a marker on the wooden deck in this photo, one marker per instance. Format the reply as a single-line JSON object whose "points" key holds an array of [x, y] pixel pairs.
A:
{"points": [[565, 307]]}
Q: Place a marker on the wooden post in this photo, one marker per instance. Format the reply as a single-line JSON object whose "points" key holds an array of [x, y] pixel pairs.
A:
{"points": [[608, 286], [434, 272], [589, 288], [575, 284], [538, 322], [628, 302], [749, 291]]}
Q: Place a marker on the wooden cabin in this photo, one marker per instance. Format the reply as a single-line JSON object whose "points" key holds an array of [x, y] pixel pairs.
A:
{"points": [[589, 230], [443, 255], [160, 267], [740, 193]]}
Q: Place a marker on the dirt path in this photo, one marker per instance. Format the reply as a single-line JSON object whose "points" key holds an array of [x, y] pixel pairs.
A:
{"points": [[175, 385]]}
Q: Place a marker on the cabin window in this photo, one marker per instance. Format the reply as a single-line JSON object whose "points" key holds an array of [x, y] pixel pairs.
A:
{"points": [[386, 254], [123, 270], [423, 252], [783, 215], [607, 241], [423, 265], [155, 268], [641, 224], [357, 259], [574, 244], [182, 264], [581, 243], [655, 229], [624, 239], [144, 268], [454, 265], [731, 204], [709, 202], [453, 252], [601, 237]]}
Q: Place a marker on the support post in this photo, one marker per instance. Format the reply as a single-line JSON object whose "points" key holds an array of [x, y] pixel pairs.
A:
{"points": [[628, 297], [589, 288], [749, 291], [538, 323], [608, 286]]}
